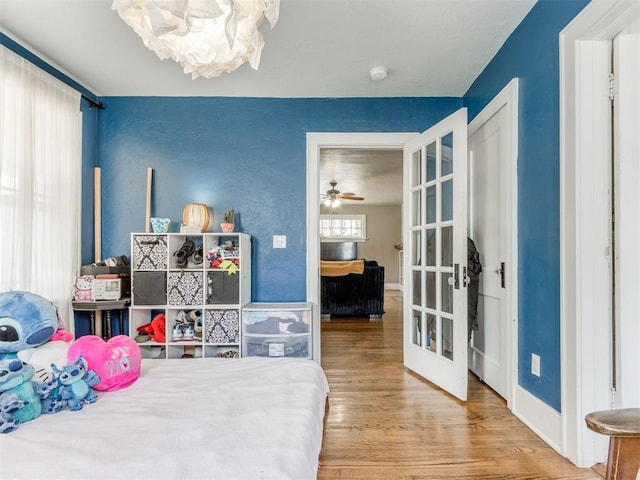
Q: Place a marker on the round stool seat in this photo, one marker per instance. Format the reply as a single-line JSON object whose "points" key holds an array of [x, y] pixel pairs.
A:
{"points": [[624, 422], [623, 427]]}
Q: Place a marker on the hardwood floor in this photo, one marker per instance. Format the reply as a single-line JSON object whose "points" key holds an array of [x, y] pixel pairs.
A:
{"points": [[384, 422]]}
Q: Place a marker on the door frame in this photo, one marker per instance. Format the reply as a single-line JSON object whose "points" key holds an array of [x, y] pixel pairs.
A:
{"points": [[315, 142], [585, 138], [507, 98]]}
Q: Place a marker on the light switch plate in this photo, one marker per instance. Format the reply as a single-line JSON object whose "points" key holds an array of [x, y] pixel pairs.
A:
{"points": [[535, 364], [279, 241]]}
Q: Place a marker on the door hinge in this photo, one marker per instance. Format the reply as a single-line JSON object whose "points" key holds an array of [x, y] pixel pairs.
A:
{"points": [[612, 92]]}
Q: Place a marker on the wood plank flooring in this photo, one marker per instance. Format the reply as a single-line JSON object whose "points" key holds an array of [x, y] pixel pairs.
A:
{"points": [[384, 422]]}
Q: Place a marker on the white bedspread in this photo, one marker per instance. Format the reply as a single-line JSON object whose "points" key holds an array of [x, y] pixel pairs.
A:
{"points": [[192, 419]]}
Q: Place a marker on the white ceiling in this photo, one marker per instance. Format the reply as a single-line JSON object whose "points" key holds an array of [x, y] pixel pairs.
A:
{"points": [[375, 175], [318, 48]]}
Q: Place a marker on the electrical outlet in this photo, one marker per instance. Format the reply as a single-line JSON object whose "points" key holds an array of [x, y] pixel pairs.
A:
{"points": [[535, 364], [279, 241]]}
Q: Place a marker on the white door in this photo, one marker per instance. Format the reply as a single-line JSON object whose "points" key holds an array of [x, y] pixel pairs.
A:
{"points": [[435, 245], [487, 225], [626, 148], [585, 228]]}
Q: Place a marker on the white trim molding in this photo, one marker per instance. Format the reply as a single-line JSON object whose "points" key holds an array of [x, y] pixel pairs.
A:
{"points": [[315, 142], [543, 420]]}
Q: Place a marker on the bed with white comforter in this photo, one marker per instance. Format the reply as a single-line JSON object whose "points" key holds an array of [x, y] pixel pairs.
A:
{"points": [[194, 419]]}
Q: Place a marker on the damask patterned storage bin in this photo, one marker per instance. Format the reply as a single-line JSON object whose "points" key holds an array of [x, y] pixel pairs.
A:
{"points": [[222, 326], [185, 288], [149, 252]]}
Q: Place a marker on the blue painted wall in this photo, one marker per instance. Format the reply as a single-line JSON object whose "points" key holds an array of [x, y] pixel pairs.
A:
{"points": [[532, 54], [243, 153]]}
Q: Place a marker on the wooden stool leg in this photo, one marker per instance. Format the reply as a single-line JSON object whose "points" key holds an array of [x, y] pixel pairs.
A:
{"points": [[624, 458]]}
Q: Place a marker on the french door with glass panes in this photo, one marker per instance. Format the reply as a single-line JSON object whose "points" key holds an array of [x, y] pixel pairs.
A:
{"points": [[435, 254]]}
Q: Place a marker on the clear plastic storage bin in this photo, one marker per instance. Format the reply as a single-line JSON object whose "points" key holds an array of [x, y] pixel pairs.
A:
{"points": [[277, 330]]}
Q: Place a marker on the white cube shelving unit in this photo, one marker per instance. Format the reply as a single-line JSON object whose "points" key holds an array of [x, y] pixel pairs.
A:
{"points": [[210, 293]]}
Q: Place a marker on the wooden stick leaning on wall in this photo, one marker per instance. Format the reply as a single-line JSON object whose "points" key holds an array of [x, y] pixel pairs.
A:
{"points": [[97, 215], [97, 234], [147, 218]]}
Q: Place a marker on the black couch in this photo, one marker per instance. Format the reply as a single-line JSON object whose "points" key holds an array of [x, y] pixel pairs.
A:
{"points": [[354, 295]]}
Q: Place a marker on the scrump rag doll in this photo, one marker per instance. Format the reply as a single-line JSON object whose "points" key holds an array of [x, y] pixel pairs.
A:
{"points": [[21, 399], [75, 383], [26, 320]]}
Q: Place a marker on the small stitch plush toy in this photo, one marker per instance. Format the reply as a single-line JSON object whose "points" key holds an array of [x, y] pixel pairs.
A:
{"points": [[21, 399], [75, 382]]}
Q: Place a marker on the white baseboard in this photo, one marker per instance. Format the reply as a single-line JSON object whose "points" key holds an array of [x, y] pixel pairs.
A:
{"points": [[543, 420], [392, 286]]}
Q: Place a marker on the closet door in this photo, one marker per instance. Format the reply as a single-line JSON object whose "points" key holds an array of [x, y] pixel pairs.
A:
{"points": [[626, 234]]}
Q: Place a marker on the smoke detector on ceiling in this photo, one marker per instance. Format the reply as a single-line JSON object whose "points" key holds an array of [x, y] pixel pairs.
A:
{"points": [[378, 73]]}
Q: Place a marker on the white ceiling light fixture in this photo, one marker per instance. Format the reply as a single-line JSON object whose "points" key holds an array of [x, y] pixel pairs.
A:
{"points": [[207, 37], [333, 198], [333, 203], [377, 74]]}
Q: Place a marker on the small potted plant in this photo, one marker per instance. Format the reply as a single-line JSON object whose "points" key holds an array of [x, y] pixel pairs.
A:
{"points": [[228, 224]]}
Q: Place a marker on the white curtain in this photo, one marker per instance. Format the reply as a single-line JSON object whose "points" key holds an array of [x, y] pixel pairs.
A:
{"points": [[40, 176]]}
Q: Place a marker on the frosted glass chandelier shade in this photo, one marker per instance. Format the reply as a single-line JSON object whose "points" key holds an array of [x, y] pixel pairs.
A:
{"points": [[206, 37]]}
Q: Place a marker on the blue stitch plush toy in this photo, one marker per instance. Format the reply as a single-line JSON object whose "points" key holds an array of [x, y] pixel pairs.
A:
{"points": [[75, 382], [21, 399], [26, 320]]}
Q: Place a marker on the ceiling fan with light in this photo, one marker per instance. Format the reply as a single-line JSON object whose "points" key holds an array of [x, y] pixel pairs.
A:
{"points": [[333, 198]]}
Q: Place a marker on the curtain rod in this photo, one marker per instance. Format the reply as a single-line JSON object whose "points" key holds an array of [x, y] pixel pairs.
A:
{"points": [[15, 47], [92, 102]]}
